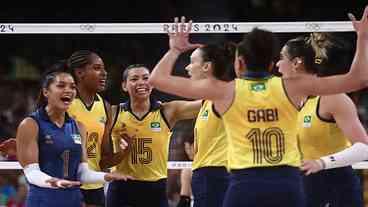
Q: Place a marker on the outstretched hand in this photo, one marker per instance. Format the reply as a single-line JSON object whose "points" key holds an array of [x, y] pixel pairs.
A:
{"points": [[311, 166], [61, 183], [9, 147], [179, 39], [361, 26], [116, 176]]}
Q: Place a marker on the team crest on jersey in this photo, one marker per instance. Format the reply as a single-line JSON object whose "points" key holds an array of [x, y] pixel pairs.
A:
{"points": [[307, 121], [257, 87], [156, 126], [48, 139], [204, 115], [77, 138]]}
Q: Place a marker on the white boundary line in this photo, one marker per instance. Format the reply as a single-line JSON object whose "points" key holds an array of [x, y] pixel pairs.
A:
{"points": [[8, 165]]}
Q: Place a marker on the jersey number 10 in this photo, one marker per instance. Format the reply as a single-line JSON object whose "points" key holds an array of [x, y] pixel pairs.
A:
{"points": [[268, 145]]}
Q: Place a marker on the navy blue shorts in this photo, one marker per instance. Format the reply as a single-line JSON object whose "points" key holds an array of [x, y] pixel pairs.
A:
{"points": [[338, 187], [209, 185], [94, 196], [46, 197], [134, 193], [265, 187]]}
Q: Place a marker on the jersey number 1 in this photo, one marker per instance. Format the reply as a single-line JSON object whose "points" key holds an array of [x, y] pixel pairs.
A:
{"points": [[65, 156]]}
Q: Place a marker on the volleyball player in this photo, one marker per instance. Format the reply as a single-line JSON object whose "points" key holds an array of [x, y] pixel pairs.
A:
{"points": [[259, 113], [90, 109], [50, 147], [325, 127], [210, 176], [145, 124], [186, 175]]}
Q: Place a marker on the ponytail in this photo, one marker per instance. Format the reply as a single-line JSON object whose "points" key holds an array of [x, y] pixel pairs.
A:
{"points": [[332, 54]]}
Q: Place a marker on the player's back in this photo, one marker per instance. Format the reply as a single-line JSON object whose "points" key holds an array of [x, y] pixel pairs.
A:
{"points": [[263, 148], [260, 125]]}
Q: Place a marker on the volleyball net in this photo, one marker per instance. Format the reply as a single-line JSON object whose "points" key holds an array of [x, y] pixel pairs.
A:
{"points": [[157, 28]]}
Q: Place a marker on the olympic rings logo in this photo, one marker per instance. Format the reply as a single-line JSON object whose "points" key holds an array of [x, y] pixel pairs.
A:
{"points": [[312, 27], [87, 27]]}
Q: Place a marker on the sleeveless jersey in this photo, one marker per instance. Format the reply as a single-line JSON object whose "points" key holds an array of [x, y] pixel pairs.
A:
{"points": [[261, 125], [60, 149], [94, 120], [318, 137], [210, 138], [150, 136]]}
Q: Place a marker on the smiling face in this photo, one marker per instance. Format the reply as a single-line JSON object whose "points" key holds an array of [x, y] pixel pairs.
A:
{"points": [[60, 92], [196, 68], [285, 65], [136, 83], [93, 75]]}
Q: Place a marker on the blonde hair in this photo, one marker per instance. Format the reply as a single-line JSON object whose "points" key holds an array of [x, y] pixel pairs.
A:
{"points": [[320, 43]]}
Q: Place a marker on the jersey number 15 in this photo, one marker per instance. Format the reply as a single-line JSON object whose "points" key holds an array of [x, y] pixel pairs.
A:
{"points": [[141, 152]]}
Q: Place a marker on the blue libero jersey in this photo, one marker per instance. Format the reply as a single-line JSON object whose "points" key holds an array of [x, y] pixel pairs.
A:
{"points": [[60, 149]]}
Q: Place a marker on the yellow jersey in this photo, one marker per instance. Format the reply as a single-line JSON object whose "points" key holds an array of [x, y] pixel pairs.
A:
{"points": [[261, 125], [149, 144], [318, 137], [94, 119], [209, 138]]}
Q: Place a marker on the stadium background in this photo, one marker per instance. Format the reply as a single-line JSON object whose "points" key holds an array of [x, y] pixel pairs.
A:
{"points": [[23, 58]]}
